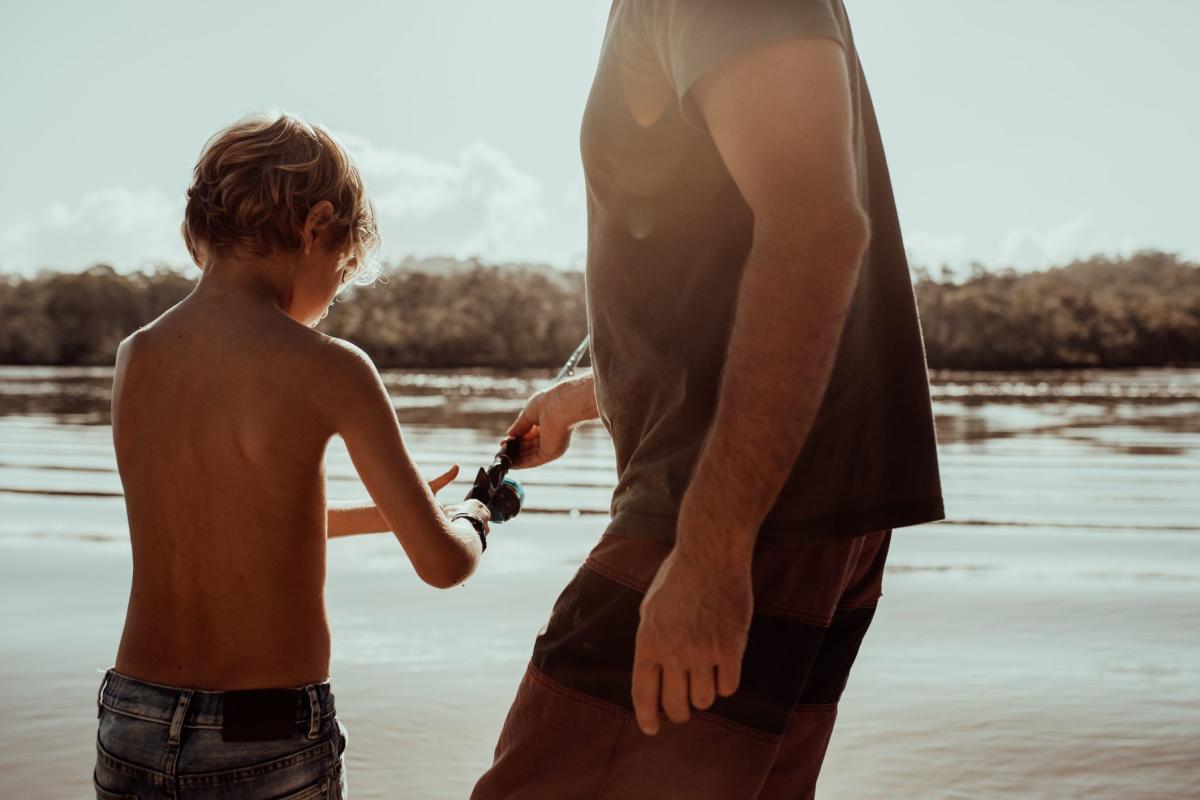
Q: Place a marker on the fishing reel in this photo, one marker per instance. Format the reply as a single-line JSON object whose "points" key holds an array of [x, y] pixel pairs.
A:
{"points": [[502, 495]]}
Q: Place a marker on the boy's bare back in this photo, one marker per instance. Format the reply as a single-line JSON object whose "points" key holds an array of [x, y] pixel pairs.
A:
{"points": [[223, 407], [220, 441]]}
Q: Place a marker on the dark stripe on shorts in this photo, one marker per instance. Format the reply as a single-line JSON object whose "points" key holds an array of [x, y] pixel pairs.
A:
{"points": [[588, 646], [839, 648]]}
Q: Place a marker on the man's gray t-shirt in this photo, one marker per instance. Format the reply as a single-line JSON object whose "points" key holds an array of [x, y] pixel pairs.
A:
{"points": [[668, 236]]}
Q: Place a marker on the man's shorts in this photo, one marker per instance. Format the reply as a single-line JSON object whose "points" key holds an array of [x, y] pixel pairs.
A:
{"points": [[571, 731]]}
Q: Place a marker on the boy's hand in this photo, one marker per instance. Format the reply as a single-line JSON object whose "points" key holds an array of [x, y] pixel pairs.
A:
{"points": [[444, 480], [546, 424], [473, 507]]}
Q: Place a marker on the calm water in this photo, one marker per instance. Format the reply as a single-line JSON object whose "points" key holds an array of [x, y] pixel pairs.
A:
{"points": [[1040, 644], [1084, 450]]}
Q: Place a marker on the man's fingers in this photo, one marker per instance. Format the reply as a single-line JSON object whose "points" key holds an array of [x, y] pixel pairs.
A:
{"points": [[521, 426], [530, 452], [703, 684], [646, 683], [444, 480], [729, 675], [540, 445], [675, 694], [528, 440], [527, 418]]}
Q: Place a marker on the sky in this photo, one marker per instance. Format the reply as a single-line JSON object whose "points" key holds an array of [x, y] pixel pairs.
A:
{"points": [[1021, 133]]}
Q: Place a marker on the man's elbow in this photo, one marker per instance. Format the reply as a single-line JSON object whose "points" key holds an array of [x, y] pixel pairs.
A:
{"points": [[833, 233], [850, 232]]}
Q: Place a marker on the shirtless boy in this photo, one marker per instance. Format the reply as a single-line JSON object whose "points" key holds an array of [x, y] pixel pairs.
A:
{"points": [[222, 409]]}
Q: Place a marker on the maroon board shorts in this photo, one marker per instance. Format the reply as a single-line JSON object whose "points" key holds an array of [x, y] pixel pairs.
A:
{"points": [[571, 731]]}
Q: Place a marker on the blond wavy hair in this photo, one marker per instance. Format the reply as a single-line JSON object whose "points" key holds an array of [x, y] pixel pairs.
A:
{"points": [[255, 183]]}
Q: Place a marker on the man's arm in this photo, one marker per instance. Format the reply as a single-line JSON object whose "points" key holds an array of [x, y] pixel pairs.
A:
{"points": [[781, 118], [782, 121], [550, 417]]}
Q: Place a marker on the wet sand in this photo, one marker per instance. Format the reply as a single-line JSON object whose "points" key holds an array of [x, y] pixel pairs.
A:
{"points": [[1017, 663]]}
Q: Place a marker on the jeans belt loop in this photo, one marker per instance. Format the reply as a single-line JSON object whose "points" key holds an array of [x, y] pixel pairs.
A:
{"points": [[314, 712], [185, 698], [100, 692]]}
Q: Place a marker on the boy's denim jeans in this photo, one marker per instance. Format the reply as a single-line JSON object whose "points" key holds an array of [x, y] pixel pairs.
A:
{"points": [[169, 743]]}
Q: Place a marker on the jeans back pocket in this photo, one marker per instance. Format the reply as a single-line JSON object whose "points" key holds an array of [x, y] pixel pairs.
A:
{"points": [[318, 791], [104, 794]]}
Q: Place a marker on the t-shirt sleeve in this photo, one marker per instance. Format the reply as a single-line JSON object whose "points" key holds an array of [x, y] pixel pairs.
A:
{"points": [[693, 37]]}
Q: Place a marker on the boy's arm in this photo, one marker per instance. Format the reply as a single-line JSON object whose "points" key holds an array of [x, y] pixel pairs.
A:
{"points": [[443, 552], [353, 519]]}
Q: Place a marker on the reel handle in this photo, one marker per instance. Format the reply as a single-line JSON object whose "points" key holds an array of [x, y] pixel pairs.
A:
{"points": [[502, 495]]}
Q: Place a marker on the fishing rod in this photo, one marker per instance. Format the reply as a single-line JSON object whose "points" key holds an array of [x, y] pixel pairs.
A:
{"points": [[568, 369], [504, 495]]}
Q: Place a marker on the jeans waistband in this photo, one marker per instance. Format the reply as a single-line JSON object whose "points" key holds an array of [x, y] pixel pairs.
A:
{"points": [[197, 708]]}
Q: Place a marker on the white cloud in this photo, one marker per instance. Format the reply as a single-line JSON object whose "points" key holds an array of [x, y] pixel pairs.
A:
{"points": [[1023, 248], [128, 229], [479, 204], [1027, 248], [931, 251]]}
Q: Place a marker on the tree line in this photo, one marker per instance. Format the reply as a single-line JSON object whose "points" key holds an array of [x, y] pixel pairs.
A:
{"points": [[1143, 310], [1140, 311]]}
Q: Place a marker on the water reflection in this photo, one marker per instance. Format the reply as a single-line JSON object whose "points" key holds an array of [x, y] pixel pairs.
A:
{"points": [[1089, 450], [970, 406]]}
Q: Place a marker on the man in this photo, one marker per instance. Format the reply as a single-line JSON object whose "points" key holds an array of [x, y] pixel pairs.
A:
{"points": [[758, 362]]}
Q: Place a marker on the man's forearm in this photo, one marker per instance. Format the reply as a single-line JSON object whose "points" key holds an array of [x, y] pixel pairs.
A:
{"points": [[791, 308], [581, 389]]}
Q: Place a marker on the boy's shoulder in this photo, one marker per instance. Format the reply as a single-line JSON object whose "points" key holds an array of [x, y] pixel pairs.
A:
{"points": [[129, 346], [306, 349], [345, 382], [344, 369], [338, 355]]}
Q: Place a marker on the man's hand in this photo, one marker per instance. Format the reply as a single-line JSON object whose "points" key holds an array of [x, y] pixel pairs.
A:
{"points": [[695, 619], [549, 418]]}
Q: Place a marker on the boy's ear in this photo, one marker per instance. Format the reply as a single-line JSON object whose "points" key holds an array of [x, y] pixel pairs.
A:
{"points": [[314, 224]]}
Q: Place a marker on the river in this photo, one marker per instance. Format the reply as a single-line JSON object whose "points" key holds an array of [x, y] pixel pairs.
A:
{"points": [[1040, 643]]}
